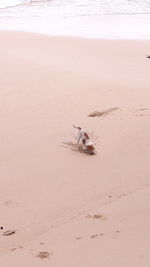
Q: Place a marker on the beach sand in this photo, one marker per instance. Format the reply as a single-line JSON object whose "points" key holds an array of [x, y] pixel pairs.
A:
{"points": [[82, 211]]}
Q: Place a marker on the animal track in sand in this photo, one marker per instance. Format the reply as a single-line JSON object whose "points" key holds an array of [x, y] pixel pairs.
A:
{"points": [[8, 202], [78, 238], [13, 249], [96, 235], [140, 109], [102, 113], [142, 112], [96, 216], [93, 236]]}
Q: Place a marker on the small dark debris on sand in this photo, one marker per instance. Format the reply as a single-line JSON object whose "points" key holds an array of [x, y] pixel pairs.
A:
{"points": [[43, 254], [103, 112], [9, 232]]}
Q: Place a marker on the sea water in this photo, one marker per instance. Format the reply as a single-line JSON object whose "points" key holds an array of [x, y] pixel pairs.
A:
{"points": [[105, 19]]}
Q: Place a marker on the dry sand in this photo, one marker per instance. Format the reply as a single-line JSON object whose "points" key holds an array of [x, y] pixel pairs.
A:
{"points": [[71, 209]]}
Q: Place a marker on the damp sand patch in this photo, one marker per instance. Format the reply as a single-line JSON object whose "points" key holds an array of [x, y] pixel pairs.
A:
{"points": [[102, 113]]}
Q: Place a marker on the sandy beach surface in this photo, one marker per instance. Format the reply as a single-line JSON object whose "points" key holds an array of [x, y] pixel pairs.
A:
{"points": [[71, 209]]}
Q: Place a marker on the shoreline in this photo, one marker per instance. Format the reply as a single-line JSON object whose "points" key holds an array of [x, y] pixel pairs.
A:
{"points": [[75, 36], [9, 31]]}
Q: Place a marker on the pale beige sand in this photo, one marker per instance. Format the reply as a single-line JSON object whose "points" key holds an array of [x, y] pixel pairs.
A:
{"points": [[50, 193]]}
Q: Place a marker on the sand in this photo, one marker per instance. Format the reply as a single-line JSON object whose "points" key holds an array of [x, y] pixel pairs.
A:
{"points": [[71, 209]]}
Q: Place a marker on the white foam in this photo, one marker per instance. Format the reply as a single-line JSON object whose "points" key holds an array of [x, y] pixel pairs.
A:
{"points": [[115, 19], [9, 3]]}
